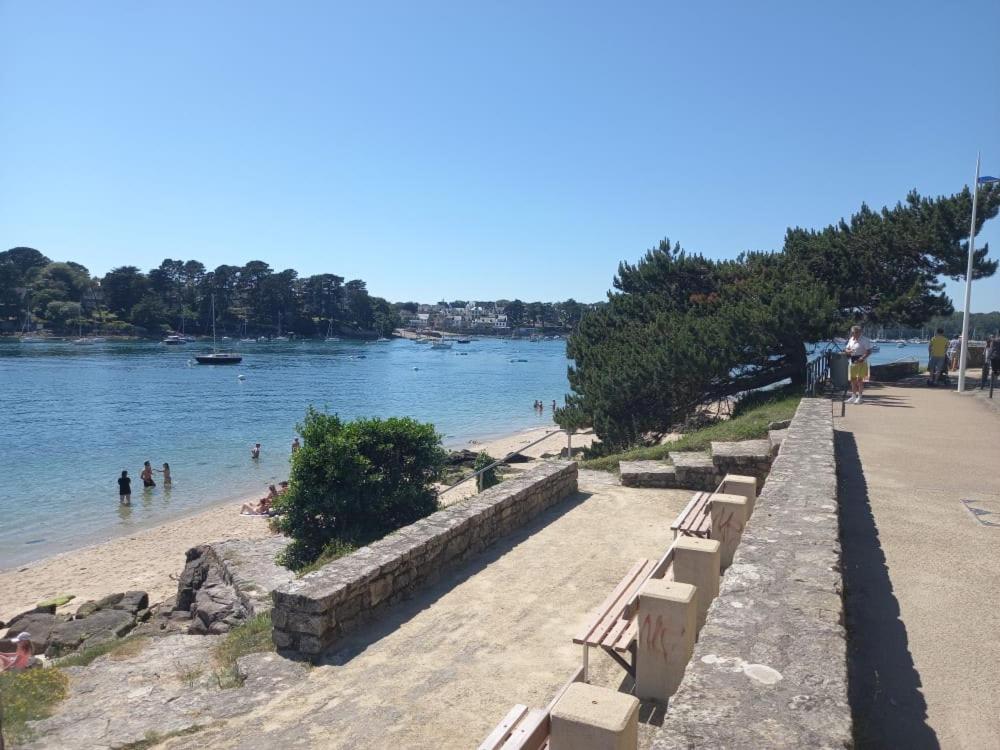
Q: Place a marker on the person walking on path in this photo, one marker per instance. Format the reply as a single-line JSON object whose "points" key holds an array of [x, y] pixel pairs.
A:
{"points": [[147, 475], [954, 350], [124, 489], [991, 359], [859, 348], [937, 353]]}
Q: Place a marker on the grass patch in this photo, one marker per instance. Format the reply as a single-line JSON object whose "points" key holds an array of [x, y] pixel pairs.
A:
{"points": [[252, 637], [152, 739], [750, 420], [333, 551], [30, 695], [118, 648]]}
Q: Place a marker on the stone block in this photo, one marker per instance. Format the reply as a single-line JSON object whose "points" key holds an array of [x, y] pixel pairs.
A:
{"points": [[647, 474], [587, 717], [668, 623], [741, 484], [729, 518], [697, 562]]}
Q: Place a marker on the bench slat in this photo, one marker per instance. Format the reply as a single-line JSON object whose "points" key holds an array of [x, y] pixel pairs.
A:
{"points": [[612, 612], [628, 637], [497, 737], [530, 732], [695, 519], [586, 632]]}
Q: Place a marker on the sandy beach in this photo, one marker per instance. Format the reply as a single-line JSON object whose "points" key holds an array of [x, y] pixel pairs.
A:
{"points": [[151, 560]]}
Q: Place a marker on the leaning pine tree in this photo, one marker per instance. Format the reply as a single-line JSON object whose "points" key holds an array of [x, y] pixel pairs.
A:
{"points": [[681, 331]]}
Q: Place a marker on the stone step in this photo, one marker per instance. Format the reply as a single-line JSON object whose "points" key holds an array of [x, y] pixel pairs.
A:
{"points": [[647, 474], [695, 470], [747, 457]]}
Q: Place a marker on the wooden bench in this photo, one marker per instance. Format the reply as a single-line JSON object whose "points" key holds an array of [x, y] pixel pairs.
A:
{"points": [[526, 728], [613, 626], [696, 518]]}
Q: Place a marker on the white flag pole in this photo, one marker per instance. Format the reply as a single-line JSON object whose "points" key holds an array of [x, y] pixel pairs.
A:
{"points": [[963, 357]]}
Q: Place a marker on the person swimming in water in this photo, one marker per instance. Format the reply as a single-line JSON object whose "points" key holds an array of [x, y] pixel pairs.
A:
{"points": [[147, 475], [255, 452]]}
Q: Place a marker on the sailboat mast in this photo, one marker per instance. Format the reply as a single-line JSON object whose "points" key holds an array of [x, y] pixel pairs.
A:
{"points": [[214, 347]]}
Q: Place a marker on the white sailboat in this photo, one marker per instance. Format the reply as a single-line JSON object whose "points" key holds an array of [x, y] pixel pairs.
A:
{"points": [[329, 332], [217, 357], [280, 337]]}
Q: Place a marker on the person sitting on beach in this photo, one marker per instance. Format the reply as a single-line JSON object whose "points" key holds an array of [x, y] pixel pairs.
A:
{"points": [[255, 452], [263, 506], [124, 489], [165, 471], [147, 475]]}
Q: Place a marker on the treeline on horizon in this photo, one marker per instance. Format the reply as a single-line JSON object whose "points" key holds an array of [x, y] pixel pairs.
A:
{"points": [[252, 299]]}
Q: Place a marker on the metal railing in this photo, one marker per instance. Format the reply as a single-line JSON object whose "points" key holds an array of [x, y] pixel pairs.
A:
{"points": [[505, 459], [817, 374]]}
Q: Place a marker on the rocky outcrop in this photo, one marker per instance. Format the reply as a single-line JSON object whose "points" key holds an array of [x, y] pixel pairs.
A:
{"points": [[225, 583], [93, 623]]}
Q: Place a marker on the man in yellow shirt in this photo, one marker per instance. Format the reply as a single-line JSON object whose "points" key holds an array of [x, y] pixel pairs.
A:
{"points": [[937, 351]]}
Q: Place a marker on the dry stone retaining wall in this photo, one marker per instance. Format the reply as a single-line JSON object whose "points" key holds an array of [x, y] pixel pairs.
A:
{"points": [[769, 668], [310, 614]]}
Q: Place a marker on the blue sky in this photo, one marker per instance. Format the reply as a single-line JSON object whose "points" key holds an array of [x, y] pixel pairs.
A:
{"points": [[479, 149]]}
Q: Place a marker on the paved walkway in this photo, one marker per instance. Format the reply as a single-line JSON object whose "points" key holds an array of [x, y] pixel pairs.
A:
{"points": [[440, 670], [919, 473]]}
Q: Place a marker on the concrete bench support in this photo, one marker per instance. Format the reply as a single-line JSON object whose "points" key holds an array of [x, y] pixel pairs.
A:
{"points": [[738, 484], [587, 717], [697, 562], [729, 518], [668, 623]]}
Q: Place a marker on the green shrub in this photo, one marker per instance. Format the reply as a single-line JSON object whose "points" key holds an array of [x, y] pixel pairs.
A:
{"points": [[489, 477], [355, 482]]}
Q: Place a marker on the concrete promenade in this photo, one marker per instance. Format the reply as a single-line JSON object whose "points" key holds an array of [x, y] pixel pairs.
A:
{"points": [[919, 484]]}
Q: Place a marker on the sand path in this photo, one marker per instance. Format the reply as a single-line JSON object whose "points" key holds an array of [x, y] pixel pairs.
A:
{"points": [[440, 670]]}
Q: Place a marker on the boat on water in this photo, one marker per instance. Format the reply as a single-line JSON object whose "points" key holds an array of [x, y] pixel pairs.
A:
{"points": [[382, 340], [329, 332], [34, 339], [89, 340], [175, 339], [462, 341], [217, 357], [441, 345]]}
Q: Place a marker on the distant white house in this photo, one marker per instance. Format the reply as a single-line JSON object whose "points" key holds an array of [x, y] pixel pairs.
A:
{"points": [[420, 320], [501, 321]]}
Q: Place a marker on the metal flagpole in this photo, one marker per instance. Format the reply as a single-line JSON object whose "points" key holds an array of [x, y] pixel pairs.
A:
{"points": [[963, 357]]}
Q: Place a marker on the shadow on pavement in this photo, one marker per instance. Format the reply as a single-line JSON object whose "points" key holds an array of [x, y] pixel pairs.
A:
{"points": [[887, 705]]}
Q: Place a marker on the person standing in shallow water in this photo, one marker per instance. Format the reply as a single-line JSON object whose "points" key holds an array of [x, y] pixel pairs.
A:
{"points": [[124, 489], [255, 452], [146, 475], [165, 471]]}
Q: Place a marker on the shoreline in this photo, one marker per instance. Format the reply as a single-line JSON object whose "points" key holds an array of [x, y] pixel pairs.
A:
{"points": [[151, 558]]}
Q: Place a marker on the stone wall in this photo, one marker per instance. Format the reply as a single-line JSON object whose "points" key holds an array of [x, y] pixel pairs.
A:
{"points": [[310, 614], [769, 669], [894, 371]]}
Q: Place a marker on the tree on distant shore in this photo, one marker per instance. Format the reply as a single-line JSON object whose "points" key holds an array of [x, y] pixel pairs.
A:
{"points": [[354, 482], [681, 331]]}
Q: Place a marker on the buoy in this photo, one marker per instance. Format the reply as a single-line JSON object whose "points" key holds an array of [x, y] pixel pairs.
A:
{"points": [[416, 368], [241, 377]]}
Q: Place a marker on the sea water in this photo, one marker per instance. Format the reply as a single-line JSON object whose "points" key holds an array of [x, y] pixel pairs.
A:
{"points": [[73, 417]]}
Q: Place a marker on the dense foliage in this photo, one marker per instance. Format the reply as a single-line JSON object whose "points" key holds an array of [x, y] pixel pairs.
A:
{"points": [[489, 477], [353, 482], [681, 331], [252, 299]]}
